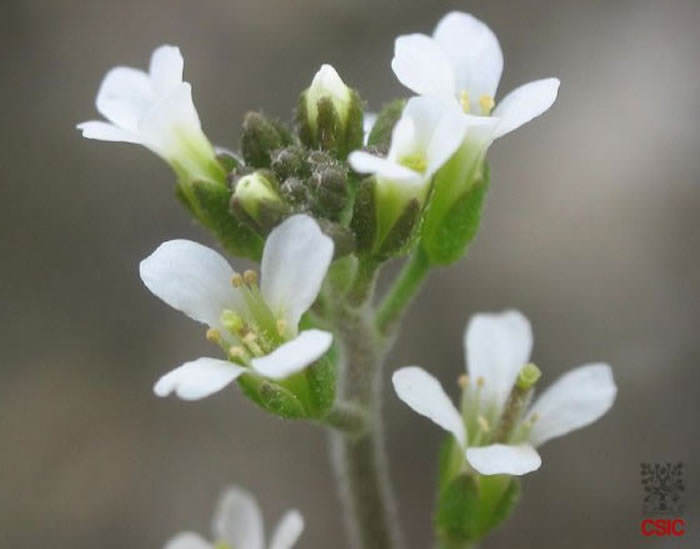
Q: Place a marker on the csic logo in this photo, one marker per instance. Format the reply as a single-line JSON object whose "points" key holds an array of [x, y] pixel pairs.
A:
{"points": [[663, 487]]}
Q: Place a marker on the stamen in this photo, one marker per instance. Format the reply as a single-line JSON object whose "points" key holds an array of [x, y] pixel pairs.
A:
{"points": [[237, 280], [250, 340], [214, 336], [486, 103], [464, 101], [415, 162], [480, 381], [236, 352], [281, 326], [250, 277], [232, 321], [483, 424], [463, 381]]}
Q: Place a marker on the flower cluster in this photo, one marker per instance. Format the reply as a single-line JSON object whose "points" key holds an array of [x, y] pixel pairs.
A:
{"points": [[322, 204]]}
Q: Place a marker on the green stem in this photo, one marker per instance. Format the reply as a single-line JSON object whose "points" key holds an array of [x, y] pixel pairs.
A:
{"points": [[407, 284], [363, 285], [360, 460]]}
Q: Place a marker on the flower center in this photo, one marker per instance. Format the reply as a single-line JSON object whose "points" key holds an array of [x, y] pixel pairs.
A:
{"points": [[486, 103], [416, 162], [253, 332]]}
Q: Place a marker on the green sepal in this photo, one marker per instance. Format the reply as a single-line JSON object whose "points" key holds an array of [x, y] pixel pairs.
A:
{"points": [[470, 506], [380, 136], [401, 235], [228, 160], [364, 219], [209, 204], [271, 396], [454, 210]]}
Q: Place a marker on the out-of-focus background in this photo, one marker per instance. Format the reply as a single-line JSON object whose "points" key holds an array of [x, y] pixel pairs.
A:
{"points": [[591, 229]]}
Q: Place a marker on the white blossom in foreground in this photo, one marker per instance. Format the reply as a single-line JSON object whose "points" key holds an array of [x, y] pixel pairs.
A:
{"points": [[463, 61], [257, 326], [238, 524], [497, 429], [155, 109]]}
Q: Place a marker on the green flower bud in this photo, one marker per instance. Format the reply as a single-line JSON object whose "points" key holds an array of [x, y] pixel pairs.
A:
{"points": [[330, 187], [209, 204], [296, 192], [256, 201], [290, 162], [343, 238], [260, 138], [329, 114]]}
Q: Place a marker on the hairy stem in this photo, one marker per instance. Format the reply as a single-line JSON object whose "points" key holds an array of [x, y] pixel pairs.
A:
{"points": [[360, 460], [407, 284]]}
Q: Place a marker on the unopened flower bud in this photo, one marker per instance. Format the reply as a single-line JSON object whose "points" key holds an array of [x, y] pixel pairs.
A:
{"points": [[256, 201], [261, 136], [295, 191], [289, 162], [330, 187], [329, 114]]}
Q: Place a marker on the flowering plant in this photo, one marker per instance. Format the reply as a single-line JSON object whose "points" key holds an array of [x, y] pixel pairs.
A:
{"points": [[322, 205]]}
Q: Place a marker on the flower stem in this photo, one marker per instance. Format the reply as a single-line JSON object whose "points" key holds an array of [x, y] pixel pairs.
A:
{"points": [[407, 284], [360, 460]]}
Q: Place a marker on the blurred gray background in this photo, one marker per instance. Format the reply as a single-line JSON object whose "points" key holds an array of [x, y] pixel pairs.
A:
{"points": [[591, 229]]}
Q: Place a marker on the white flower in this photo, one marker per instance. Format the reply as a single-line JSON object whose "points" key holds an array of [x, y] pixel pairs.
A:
{"points": [[427, 134], [256, 326], [238, 524], [462, 61], [155, 109], [497, 347]]}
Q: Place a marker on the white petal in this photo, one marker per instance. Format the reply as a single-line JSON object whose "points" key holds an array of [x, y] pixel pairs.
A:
{"points": [[124, 97], [425, 395], [502, 459], [412, 133], [363, 162], [295, 355], [198, 379], [422, 66], [525, 103], [446, 138], [188, 540], [166, 68], [172, 119], [288, 530], [368, 121], [575, 400], [294, 263], [238, 520], [104, 131], [497, 346], [474, 51], [191, 278]]}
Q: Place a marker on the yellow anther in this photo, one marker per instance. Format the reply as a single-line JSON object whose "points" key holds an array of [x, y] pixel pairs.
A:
{"points": [[483, 424], [486, 103], [480, 381], [464, 101], [250, 277], [463, 381], [213, 335], [249, 338], [281, 326], [236, 352], [237, 280]]}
